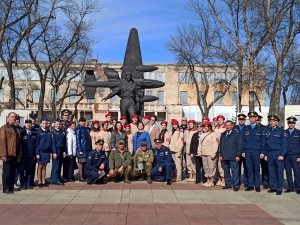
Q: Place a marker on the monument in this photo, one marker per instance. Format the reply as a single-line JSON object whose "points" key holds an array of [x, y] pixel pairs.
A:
{"points": [[131, 86]]}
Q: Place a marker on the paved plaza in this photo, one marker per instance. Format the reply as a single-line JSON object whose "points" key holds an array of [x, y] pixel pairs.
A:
{"points": [[141, 203]]}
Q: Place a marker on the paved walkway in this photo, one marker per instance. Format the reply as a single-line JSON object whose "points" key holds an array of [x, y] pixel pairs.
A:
{"points": [[140, 203]]}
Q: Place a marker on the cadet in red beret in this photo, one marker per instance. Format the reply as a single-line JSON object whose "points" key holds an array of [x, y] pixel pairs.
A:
{"points": [[219, 130], [106, 136], [146, 122], [205, 119], [95, 133], [190, 162], [123, 120], [133, 125], [164, 134]]}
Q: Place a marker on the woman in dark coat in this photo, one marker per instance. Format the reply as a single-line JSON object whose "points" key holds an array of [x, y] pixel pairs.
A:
{"points": [[193, 153], [117, 135]]}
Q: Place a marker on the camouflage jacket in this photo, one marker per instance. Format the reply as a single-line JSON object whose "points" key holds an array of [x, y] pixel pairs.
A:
{"points": [[147, 156]]}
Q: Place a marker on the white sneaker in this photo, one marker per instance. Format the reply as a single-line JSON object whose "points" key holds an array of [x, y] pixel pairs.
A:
{"points": [[223, 183], [219, 183]]}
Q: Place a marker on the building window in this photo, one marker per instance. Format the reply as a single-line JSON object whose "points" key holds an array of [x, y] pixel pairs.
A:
{"points": [[115, 100], [183, 97], [90, 100], [199, 77], [1, 95], [180, 77], [234, 97], [211, 77], [36, 95], [201, 93], [73, 97], [152, 75], [146, 76], [18, 94], [163, 76], [160, 95], [217, 94], [149, 93]]}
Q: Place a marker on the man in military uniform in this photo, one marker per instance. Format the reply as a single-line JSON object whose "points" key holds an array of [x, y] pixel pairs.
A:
{"points": [[239, 127], [97, 164], [59, 150], [142, 162], [254, 140], [292, 158], [35, 128], [165, 162], [65, 114], [120, 163], [276, 148], [263, 162], [17, 125]]}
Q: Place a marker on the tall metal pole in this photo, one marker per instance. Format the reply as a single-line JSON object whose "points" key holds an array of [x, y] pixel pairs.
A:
{"points": [[26, 91]]}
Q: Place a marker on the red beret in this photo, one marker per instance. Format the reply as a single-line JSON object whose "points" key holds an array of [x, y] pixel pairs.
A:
{"points": [[173, 121], [108, 114], [192, 121], [123, 117], [220, 116], [215, 119], [127, 125], [104, 122], [95, 121], [71, 123], [163, 122], [205, 118], [207, 124], [135, 116], [147, 117]]}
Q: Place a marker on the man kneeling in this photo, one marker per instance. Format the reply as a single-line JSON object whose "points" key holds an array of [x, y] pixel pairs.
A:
{"points": [[120, 163], [142, 162], [96, 165], [165, 163]]}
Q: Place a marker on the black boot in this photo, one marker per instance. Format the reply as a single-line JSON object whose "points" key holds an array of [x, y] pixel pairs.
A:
{"points": [[169, 182]]}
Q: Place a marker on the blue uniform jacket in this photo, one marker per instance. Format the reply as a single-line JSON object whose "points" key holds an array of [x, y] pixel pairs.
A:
{"points": [[28, 143], [83, 141], [162, 156], [276, 140], [239, 129], [143, 137], [231, 146], [94, 160], [293, 142], [35, 127], [59, 141], [254, 139], [44, 141]]}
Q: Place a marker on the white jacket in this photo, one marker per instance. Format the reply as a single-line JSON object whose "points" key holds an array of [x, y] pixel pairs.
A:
{"points": [[71, 142]]}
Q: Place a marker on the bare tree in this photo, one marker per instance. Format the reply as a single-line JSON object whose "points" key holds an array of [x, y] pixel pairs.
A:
{"points": [[282, 22], [54, 46], [14, 26]]}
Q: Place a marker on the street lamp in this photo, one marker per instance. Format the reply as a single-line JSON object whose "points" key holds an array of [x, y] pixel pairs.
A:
{"points": [[26, 84]]}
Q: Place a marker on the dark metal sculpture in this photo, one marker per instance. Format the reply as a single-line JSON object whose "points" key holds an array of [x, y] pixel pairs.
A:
{"points": [[131, 87]]}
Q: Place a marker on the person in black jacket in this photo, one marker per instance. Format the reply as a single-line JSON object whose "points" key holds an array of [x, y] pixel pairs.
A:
{"points": [[231, 147], [200, 178]]}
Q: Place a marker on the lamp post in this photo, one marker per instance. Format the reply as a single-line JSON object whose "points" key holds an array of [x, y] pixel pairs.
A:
{"points": [[26, 84]]}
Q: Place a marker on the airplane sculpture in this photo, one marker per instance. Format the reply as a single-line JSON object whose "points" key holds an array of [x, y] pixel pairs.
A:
{"points": [[133, 64]]}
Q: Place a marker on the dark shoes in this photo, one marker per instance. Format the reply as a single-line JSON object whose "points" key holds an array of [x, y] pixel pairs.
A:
{"points": [[57, 183], [226, 187], [257, 189], [249, 189], [46, 184], [149, 180], [271, 191], [265, 187], [298, 192], [288, 191], [7, 191], [169, 182], [126, 181], [24, 188], [82, 180], [71, 181], [236, 189], [101, 181], [17, 189], [29, 187], [41, 185], [278, 192]]}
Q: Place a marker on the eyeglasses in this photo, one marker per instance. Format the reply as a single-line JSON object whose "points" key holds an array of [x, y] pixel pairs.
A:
{"points": [[183, 120], [199, 126], [121, 144]]}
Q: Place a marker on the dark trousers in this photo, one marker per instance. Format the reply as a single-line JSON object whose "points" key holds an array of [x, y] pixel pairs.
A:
{"points": [[290, 163], [276, 169], [253, 167], [245, 178], [232, 179], [33, 169], [69, 167], [91, 175], [199, 170], [264, 172], [17, 174], [25, 171], [166, 172], [8, 172], [56, 167]]}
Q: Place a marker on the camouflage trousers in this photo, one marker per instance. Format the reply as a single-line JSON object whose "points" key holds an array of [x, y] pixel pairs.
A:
{"points": [[126, 172], [147, 169]]}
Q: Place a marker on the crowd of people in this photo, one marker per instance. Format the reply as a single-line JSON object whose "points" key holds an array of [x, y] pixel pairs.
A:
{"points": [[208, 153]]}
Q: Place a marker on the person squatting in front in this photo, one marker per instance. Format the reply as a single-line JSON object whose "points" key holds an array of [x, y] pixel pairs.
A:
{"points": [[120, 163], [142, 163], [97, 164], [165, 162]]}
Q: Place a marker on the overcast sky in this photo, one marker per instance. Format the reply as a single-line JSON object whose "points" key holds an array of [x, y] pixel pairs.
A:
{"points": [[155, 21]]}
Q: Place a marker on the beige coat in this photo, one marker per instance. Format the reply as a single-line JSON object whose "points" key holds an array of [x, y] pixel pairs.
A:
{"points": [[208, 144], [188, 134], [167, 139], [147, 127], [176, 141], [130, 142], [154, 134], [106, 136], [133, 128], [219, 131], [95, 136]]}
